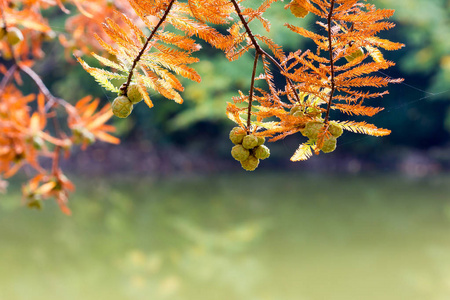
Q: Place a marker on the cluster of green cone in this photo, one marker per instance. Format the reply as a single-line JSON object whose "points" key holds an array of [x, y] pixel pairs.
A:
{"points": [[313, 129], [248, 149], [123, 104]]}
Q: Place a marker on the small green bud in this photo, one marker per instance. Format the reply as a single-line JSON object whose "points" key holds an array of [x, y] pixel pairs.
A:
{"points": [[38, 142], [237, 135], [83, 136], [295, 109], [133, 93], [250, 141], [122, 107], [312, 130], [315, 111], [250, 164], [335, 130], [14, 36], [37, 204], [261, 152], [261, 140], [329, 145], [354, 55], [88, 137], [298, 114], [240, 153]]}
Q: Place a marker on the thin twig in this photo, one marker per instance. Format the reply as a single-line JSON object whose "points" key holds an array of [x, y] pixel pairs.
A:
{"points": [[7, 78], [55, 164], [44, 90], [124, 87], [247, 28], [291, 84], [330, 49], [260, 51], [42, 87], [252, 87]]}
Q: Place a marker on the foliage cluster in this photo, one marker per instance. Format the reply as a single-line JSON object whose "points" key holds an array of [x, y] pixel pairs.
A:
{"points": [[147, 45]]}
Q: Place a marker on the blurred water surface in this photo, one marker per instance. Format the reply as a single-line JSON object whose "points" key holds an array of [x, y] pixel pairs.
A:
{"points": [[247, 236]]}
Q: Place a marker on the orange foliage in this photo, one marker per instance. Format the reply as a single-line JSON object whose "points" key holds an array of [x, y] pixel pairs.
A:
{"points": [[30, 129], [336, 75]]}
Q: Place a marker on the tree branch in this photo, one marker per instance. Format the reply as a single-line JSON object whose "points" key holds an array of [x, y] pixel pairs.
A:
{"points": [[44, 90], [7, 78], [252, 87], [330, 49], [260, 51], [124, 87]]}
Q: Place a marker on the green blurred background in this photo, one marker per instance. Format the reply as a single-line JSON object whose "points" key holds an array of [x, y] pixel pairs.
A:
{"points": [[169, 214]]}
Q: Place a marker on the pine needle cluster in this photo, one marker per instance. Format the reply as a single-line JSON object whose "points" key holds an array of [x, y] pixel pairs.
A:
{"points": [[338, 74]]}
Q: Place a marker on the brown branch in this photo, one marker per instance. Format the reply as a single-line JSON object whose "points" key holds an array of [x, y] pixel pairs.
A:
{"points": [[247, 28], [124, 87], [330, 49], [260, 51], [252, 87], [7, 78], [291, 84], [55, 164], [44, 90]]}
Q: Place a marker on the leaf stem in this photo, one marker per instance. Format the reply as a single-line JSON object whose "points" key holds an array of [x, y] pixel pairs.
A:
{"points": [[330, 49], [291, 84], [259, 51], [7, 78], [252, 87], [44, 90], [124, 87]]}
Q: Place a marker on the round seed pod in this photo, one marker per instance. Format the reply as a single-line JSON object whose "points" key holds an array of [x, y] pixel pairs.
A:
{"points": [[298, 114], [297, 9], [261, 140], [133, 93], [295, 109], [335, 130], [122, 107], [250, 164], [250, 141], [329, 145], [313, 111], [312, 129], [261, 152], [240, 153], [354, 55], [14, 36], [237, 135]]}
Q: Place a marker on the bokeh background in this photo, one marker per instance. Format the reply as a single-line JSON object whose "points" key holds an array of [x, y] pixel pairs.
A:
{"points": [[169, 214]]}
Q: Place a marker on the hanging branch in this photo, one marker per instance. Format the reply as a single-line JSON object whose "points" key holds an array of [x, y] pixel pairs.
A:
{"points": [[124, 87], [330, 49], [7, 78], [252, 87], [260, 51], [44, 90]]}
